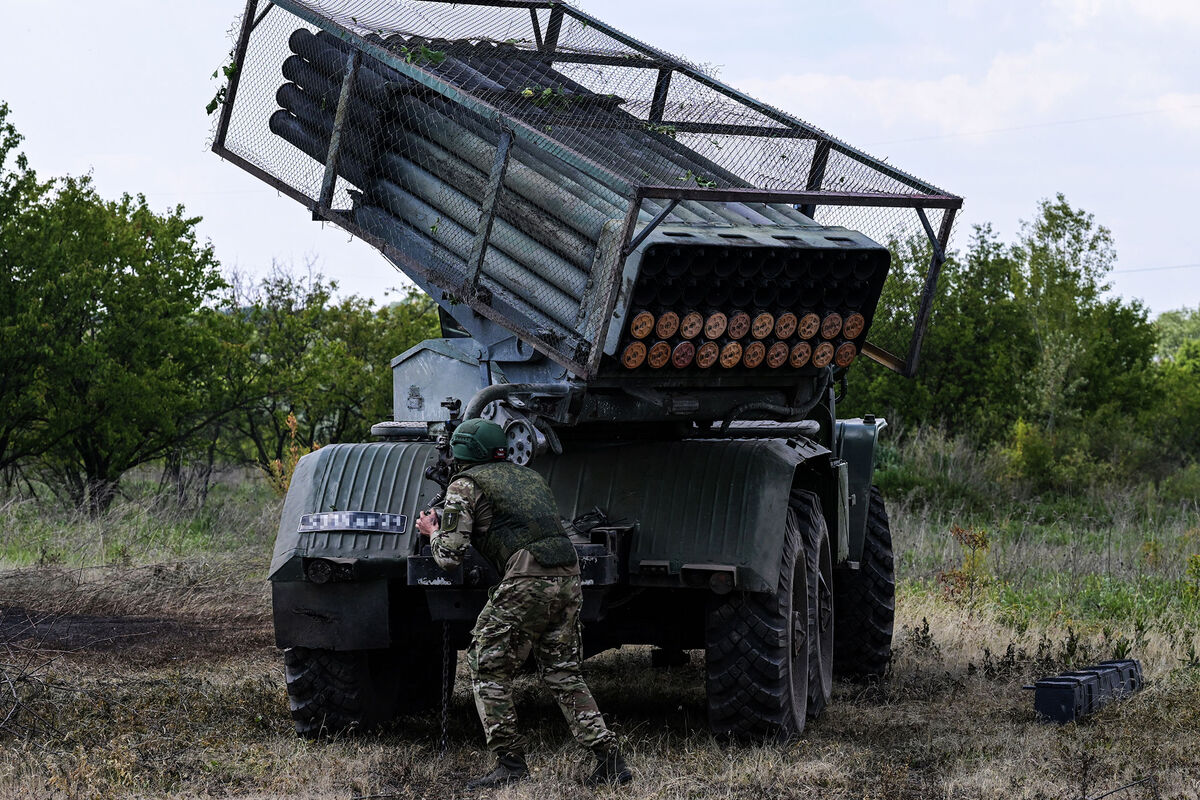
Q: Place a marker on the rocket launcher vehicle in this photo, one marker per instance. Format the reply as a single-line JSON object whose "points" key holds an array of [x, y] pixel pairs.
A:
{"points": [[651, 280]]}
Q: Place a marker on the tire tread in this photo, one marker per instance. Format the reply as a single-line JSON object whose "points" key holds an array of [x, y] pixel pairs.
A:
{"points": [[865, 602]]}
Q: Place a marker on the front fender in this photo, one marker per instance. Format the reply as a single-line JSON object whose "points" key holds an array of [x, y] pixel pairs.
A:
{"points": [[377, 476]]}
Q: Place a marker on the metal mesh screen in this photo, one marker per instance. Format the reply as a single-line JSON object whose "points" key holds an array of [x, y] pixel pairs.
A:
{"points": [[507, 152]]}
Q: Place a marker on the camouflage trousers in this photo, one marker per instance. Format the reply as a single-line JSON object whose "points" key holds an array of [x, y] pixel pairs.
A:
{"points": [[538, 615]]}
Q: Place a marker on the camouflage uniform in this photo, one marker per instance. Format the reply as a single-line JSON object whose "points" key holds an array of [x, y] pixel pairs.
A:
{"points": [[534, 608]]}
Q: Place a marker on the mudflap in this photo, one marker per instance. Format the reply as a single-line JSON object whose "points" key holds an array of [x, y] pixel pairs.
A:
{"points": [[339, 616]]}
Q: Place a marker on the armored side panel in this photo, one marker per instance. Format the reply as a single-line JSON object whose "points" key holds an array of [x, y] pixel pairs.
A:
{"points": [[694, 502], [697, 504], [385, 476]]}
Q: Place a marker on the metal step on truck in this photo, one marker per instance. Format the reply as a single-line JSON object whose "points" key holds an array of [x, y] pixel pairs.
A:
{"points": [[653, 282]]}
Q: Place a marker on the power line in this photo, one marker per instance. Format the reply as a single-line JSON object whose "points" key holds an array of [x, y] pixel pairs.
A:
{"points": [[1157, 269]]}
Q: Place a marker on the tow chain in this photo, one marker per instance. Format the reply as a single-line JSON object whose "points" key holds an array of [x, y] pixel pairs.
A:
{"points": [[447, 676]]}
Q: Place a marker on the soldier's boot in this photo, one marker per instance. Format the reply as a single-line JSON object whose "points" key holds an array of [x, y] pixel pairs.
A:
{"points": [[510, 768], [610, 770]]}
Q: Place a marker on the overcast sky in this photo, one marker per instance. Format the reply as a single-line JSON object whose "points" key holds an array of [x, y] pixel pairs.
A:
{"points": [[1002, 103]]}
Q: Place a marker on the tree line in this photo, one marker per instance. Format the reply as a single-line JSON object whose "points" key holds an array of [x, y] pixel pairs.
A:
{"points": [[123, 345], [1029, 353]]}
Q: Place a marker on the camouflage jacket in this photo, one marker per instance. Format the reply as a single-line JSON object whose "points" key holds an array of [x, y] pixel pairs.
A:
{"points": [[468, 513]]}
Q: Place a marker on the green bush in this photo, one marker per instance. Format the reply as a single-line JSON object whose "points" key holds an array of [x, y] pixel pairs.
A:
{"points": [[1182, 487]]}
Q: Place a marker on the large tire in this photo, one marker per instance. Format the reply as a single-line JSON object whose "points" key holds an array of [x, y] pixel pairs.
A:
{"points": [[335, 692], [865, 602], [757, 653], [820, 610]]}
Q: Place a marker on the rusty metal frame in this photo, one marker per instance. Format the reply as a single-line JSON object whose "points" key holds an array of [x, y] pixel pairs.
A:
{"points": [[262, 15], [939, 243], [660, 59], [239, 58], [649, 228], [816, 176], [823, 198]]}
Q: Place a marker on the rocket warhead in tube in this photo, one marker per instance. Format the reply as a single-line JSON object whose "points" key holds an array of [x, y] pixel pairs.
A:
{"points": [[822, 355], [800, 355], [785, 325], [641, 325], [853, 326], [831, 326], [810, 324], [634, 355], [707, 354]]}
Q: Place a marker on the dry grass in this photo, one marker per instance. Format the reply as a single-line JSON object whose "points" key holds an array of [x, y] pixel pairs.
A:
{"points": [[157, 677], [198, 710]]}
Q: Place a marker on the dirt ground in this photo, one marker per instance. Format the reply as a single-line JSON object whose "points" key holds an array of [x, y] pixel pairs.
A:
{"points": [[163, 681]]}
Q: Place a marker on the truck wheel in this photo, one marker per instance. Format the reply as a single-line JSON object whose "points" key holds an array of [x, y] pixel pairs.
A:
{"points": [[331, 691], [820, 604], [865, 601], [757, 646]]}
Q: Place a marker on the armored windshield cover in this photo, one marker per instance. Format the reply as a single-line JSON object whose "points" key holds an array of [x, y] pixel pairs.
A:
{"points": [[518, 159]]}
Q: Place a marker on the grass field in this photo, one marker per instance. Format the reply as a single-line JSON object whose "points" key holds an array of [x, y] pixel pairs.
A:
{"points": [[139, 662]]}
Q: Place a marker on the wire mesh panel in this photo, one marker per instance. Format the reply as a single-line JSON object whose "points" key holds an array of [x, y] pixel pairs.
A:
{"points": [[508, 152]]}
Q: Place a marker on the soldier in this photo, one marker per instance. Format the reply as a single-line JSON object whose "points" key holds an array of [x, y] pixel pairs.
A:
{"points": [[508, 513]]}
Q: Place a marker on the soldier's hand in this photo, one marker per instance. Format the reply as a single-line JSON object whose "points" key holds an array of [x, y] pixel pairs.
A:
{"points": [[427, 522]]}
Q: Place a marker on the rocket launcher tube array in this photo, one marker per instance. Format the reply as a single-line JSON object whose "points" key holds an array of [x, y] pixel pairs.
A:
{"points": [[419, 216], [761, 338], [324, 55], [318, 81], [423, 164], [674, 153]]}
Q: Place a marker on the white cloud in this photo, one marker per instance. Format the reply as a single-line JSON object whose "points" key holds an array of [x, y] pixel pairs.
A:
{"points": [[1159, 12], [1181, 109], [1016, 87], [1073, 78]]}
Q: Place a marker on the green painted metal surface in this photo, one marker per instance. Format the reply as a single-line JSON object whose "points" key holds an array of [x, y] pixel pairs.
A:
{"points": [[383, 476], [695, 502], [720, 502], [855, 441]]}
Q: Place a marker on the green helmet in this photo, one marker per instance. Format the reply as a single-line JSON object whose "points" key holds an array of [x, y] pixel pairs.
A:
{"points": [[478, 440]]}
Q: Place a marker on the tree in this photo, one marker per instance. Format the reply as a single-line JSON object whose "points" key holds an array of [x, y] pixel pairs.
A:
{"points": [[977, 347], [324, 362], [1175, 328], [132, 354], [1177, 415], [23, 333], [1024, 343]]}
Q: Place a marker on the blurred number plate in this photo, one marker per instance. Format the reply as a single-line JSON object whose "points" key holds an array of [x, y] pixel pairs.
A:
{"points": [[370, 521]]}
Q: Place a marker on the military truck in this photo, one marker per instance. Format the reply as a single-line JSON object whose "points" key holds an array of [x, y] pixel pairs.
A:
{"points": [[655, 283]]}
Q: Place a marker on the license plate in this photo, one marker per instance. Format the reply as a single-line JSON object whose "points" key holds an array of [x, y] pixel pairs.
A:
{"points": [[365, 521]]}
